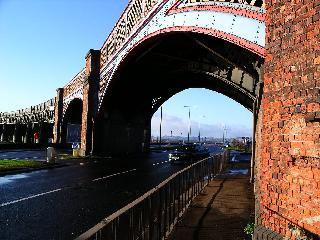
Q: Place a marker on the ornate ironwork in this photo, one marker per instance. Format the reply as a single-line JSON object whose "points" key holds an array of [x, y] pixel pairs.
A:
{"points": [[257, 3], [43, 112]]}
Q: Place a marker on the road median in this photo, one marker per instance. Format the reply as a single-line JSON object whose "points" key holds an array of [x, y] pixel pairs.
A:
{"points": [[8, 166]]}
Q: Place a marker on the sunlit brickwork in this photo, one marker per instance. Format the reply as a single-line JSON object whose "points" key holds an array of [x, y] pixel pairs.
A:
{"points": [[288, 177]]}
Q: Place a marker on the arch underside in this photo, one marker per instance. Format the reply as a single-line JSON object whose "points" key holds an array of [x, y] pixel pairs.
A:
{"points": [[160, 68], [170, 63], [72, 116]]}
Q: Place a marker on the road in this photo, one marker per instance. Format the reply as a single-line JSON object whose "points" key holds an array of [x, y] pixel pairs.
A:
{"points": [[62, 203]]}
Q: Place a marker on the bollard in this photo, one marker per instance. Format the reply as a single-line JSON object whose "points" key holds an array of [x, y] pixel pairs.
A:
{"points": [[51, 155], [76, 149]]}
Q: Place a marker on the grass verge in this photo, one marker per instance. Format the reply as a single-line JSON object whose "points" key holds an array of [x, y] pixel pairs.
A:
{"points": [[7, 165], [71, 157]]}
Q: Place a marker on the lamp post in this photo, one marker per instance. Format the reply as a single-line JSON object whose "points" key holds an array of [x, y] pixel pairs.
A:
{"points": [[160, 125], [189, 128], [224, 136], [199, 136]]}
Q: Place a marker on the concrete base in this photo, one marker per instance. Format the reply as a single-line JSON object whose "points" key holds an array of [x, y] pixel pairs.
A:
{"points": [[262, 233]]}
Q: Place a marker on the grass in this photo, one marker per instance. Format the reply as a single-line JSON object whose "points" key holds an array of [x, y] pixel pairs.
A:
{"points": [[240, 149], [71, 157], [7, 165]]}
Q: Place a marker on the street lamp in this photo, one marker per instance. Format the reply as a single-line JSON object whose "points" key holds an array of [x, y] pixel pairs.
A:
{"points": [[224, 136], [189, 128], [199, 136], [160, 124]]}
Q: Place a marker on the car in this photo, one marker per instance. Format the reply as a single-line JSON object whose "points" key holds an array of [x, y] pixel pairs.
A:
{"points": [[189, 153]]}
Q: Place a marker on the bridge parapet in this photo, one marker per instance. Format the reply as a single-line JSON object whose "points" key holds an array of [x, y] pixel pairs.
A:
{"points": [[43, 112], [74, 89], [135, 11]]}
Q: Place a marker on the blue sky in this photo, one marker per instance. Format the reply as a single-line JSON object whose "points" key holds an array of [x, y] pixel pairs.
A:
{"points": [[43, 45], [210, 112]]}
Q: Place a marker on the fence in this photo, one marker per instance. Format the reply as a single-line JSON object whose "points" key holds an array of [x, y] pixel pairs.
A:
{"points": [[153, 215]]}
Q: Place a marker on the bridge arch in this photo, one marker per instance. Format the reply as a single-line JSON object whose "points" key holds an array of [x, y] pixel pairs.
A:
{"points": [[162, 66], [71, 122]]}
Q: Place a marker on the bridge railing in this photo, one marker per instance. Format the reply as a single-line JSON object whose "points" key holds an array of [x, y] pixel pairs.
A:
{"points": [[135, 11], [153, 215], [41, 112]]}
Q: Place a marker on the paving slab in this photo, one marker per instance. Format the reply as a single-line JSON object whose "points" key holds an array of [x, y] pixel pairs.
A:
{"points": [[221, 211]]}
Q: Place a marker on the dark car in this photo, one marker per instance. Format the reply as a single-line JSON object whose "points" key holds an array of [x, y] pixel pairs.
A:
{"points": [[189, 153]]}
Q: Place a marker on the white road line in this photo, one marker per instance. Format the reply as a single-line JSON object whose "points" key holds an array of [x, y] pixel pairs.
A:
{"points": [[58, 189], [112, 175], [160, 163], [30, 197]]}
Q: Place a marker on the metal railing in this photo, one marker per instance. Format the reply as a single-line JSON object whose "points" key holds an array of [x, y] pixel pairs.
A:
{"points": [[153, 215]]}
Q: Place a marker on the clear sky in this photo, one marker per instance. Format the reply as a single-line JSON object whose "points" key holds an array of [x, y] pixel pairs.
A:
{"points": [[210, 112], [42, 47]]}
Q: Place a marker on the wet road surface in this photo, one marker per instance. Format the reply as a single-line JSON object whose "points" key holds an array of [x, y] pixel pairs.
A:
{"points": [[62, 203]]}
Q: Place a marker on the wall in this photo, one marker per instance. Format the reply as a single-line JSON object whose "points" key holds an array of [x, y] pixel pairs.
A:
{"points": [[288, 177]]}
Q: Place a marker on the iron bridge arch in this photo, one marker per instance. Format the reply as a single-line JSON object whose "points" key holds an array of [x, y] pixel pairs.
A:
{"points": [[159, 68]]}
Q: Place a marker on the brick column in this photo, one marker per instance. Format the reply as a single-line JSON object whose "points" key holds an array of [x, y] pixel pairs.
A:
{"points": [[288, 190], [90, 100], [58, 111]]}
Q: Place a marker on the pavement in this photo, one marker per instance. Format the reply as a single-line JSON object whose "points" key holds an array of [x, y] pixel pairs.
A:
{"points": [[221, 211]]}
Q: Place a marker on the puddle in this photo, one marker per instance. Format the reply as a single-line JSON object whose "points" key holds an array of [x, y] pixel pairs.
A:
{"points": [[11, 178], [237, 172]]}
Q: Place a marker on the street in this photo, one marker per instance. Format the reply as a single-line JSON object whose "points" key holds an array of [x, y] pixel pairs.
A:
{"points": [[62, 203]]}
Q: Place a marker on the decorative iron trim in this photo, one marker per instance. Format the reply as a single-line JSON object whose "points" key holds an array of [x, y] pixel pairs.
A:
{"points": [[237, 9]]}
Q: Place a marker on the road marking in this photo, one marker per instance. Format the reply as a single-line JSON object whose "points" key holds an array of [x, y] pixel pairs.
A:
{"points": [[154, 164], [112, 175], [58, 189], [30, 197]]}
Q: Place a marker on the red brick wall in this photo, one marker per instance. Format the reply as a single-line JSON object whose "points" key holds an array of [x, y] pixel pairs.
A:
{"points": [[288, 179], [84, 125]]}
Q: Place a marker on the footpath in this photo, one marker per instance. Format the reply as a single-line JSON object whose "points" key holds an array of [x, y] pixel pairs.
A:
{"points": [[221, 211]]}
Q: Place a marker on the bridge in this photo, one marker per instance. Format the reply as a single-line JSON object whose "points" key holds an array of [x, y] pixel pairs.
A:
{"points": [[264, 55], [20, 126]]}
